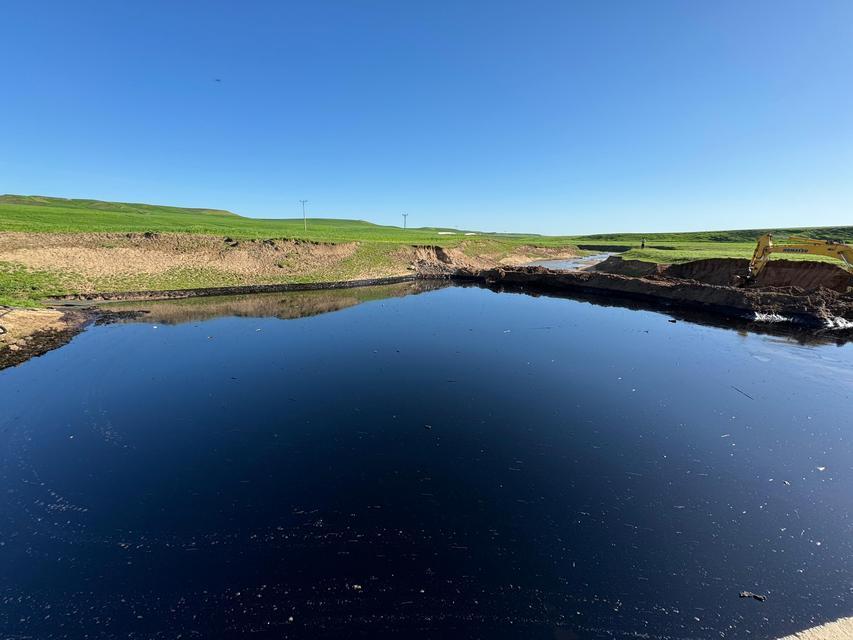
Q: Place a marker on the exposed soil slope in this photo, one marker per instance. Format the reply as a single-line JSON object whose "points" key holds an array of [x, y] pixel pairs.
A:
{"points": [[440, 261], [25, 333], [801, 274], [636, 268], [839, 630], [809, 293], [86, 263], [142, 266], [104, 255]]}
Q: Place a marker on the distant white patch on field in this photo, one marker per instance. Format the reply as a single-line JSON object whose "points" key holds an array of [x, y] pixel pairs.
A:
{"points": [[447, 233]]}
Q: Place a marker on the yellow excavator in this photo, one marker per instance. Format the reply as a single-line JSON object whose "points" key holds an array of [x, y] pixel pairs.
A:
{"points": [[801, 245]]}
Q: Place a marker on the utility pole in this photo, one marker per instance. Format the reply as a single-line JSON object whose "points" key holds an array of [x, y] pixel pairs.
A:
{"points": [[405, 215], [304, 219]]}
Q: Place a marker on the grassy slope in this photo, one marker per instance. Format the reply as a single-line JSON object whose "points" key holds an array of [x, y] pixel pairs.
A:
{"points": [[35, 213], [680, 247], [376, 242], [44, 214]]}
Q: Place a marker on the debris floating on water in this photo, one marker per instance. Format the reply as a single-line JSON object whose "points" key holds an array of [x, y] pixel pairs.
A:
{"points": [[742, 392], [754, 596]]}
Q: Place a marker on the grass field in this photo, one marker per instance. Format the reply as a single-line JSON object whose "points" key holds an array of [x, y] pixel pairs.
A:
{"points": [[375, 251], [374, 255], [42, 214], [681, 247]]}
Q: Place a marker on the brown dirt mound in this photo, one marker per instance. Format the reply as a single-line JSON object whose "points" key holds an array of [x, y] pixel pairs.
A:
{"points": [[465, 259], [114, 254], [805, 275], [25, 333], [841, 629], [822, 307], [439, 261], [526, 254], [634, 268], [719, 271]]}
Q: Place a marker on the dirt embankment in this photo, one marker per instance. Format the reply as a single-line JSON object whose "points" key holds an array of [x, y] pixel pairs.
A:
{"points": [[431, 261], [145, 266], [96, 257], [809, 293], [25, 333], [527, 253], [839, 630], [92, 263], [635, 268], [801, 274]]}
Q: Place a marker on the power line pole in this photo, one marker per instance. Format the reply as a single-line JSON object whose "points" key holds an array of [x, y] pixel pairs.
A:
{"points": [[304, 219], [405, 215]]}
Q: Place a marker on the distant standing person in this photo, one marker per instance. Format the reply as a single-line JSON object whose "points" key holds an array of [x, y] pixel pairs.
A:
{"points": [[643, 244]]}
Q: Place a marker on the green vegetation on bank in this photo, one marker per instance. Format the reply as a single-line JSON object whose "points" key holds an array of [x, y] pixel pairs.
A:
{"points": [[43, 214], [696, 245], [47, 214], [375, 253], [738, 236], [22, 287]]}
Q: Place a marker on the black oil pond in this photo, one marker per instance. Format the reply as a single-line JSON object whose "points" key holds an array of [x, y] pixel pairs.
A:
{"points": [[456, 463]]}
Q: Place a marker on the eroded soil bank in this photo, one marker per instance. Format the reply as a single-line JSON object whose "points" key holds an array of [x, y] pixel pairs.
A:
{"points": [[839, 630], [804, 275], [95, 267], [26, 333], [811, 294], [94, 263], [808, 293]]}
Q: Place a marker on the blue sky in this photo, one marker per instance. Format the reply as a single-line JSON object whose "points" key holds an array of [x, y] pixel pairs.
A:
{"points": [[553, 117]]}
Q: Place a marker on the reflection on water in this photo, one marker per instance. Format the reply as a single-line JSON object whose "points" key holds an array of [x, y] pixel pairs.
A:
{"points": [[293, 304], [461, 463], [301, 304], [783, 331]]}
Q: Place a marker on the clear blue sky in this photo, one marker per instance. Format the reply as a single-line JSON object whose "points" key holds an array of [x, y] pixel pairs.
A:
{"points": [[554, 117]]}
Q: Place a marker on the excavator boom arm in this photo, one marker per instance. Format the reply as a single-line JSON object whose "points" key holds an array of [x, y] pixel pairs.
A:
{"points": [[799, 245]]}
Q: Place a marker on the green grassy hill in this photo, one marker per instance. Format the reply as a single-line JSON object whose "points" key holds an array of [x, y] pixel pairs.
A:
{"points": [[47, 214], [680, 247], [844, 234], [377, 253], [43, 214], [378, 248]]}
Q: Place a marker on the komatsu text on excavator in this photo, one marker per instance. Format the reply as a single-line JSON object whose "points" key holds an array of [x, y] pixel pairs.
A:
{"points": [[801, 245]]}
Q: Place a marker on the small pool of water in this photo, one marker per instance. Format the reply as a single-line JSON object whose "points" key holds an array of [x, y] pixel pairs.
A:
{"points": [[572, 264], [422, 460]]}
